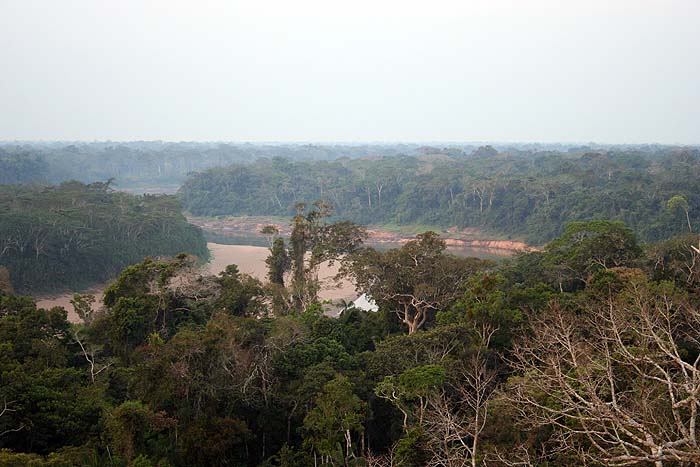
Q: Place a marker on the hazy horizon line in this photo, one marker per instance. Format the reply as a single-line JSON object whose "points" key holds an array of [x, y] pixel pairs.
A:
{"points": [[349, 142]]}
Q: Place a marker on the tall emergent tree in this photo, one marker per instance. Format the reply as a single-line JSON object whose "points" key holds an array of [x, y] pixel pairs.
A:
{"points": [[413, 281], [312, 242]]}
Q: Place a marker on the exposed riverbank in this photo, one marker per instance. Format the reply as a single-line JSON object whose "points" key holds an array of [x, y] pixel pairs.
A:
{"points": [[463, 242], [237, 240]]}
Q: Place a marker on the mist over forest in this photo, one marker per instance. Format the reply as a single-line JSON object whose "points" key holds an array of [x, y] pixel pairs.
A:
{"points": [[154, 163]]}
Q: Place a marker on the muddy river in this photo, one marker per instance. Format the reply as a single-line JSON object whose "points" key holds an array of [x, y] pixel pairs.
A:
{"points": [[250, 260]]}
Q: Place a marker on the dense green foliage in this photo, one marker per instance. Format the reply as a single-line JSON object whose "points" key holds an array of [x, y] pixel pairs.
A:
{"points": [[181, 369], [520, 194], [74, 234]]}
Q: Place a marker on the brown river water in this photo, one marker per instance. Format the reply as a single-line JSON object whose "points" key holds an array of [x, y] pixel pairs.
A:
{"points": [[250, 260]]}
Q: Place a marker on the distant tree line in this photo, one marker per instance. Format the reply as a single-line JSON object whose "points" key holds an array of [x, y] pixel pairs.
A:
{"points": [[156, 164], [528, 195], [70, 235]]}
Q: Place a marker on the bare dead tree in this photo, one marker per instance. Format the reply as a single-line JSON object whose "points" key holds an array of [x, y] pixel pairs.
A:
{"points": [[456, 419], [518, 457], [523, 455], [384, 460], [616, 384]]}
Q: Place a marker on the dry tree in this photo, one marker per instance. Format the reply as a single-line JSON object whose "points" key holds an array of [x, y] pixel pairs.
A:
{"points": [[619, 382]]}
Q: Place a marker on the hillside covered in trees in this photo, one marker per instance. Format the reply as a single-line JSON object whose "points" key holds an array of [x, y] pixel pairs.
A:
{"points": [[70, 235], [585, 353], [519, 194]]}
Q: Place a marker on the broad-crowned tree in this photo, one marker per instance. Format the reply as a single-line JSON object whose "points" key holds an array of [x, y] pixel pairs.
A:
{"points": [[586, 247], [414, 281]]}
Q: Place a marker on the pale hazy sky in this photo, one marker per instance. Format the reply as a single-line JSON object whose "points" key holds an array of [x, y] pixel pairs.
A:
{"points": [[356, 70]]}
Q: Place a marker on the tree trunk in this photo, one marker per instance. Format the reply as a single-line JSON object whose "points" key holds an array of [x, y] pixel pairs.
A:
{"points": [[348, 444]]}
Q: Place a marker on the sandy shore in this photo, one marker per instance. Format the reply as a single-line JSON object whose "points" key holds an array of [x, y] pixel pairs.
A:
{"points": [[250, 260]]}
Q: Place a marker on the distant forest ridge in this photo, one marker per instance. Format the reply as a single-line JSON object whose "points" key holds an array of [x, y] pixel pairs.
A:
{"points": [[150, 164], [147, 165], [517, 194]]}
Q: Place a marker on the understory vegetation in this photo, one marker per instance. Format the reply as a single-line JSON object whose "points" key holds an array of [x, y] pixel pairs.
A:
{"points": [[585, 353]]}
